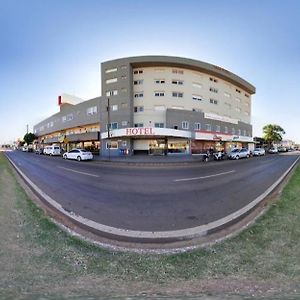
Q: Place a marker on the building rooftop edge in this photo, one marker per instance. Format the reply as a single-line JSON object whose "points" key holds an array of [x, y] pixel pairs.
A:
{"points": [[214, 70]]}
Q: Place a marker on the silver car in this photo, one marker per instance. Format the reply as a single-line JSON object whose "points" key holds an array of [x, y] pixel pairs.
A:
{"points": [[259, 152], [239, 153]]}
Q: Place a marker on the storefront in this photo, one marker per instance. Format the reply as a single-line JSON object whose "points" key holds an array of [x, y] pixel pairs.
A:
{"points": [[147, 141]]}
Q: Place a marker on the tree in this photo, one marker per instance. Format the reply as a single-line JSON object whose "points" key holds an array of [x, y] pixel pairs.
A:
{"points": [[29, 138], [273, 133]]}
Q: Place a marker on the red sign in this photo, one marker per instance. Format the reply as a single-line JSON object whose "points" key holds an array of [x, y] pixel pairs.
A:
{"points": [[139, 131]]}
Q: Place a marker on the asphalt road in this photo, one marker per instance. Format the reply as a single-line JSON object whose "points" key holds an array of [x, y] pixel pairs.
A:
{"points": [[153, 198]]}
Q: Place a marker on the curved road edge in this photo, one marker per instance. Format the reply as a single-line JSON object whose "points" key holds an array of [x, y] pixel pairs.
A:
{"points": [[155, 237]]}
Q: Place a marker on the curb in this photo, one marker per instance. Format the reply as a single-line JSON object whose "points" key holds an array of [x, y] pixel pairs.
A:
{"points": [[153, 237]]}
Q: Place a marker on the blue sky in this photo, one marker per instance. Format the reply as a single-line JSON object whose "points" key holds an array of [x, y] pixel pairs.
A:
{"points": [[50, 47]]}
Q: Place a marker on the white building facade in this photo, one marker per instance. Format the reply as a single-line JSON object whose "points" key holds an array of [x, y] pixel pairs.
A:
{"points": [[172, 105]]}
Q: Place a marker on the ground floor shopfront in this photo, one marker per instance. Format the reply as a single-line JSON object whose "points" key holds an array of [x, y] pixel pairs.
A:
{"points": [[166, 141]]}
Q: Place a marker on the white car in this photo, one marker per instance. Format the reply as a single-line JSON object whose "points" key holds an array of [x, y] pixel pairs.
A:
{"points": [[259, 152], [239, 153], [78, 154], [273, 150]]}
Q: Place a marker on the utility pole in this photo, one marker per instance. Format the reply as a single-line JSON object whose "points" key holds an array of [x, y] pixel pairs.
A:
{"points": [[108, 127], [27, 128]]}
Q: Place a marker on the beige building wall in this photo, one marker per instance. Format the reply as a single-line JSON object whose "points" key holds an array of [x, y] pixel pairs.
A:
{"points": [[232, 101]]}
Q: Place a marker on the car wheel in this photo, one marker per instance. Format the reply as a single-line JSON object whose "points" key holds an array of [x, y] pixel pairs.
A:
{"points": [[78, 158], [237, 157], [65, 156]]}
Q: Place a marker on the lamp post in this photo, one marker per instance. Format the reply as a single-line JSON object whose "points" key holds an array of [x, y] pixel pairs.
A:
{"points": [[108, 127]]}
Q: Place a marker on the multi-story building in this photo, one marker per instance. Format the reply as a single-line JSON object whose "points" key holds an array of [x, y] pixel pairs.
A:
{"points": [[156, 105], [75, 125], [162, 104]]}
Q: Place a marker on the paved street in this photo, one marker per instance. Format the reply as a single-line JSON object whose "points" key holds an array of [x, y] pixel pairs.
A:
{"points": [[156, 198]]}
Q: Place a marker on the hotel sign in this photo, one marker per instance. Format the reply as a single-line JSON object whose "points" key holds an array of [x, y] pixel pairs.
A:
{"points": [[139, 131]]}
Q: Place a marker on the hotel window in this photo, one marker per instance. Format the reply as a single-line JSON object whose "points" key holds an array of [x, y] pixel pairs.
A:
{"points": [[123, 77], [177, 71], [244, 132], [238, 91], [69, 117], [112, 93], [112, 126], [197, 85], [114, 107], [112, 80], [213, 79], [124, 123], [185, 125], [159, 125], [214, 90], [178, 82], [226, 129], [138, 109], [197, 109], [197, 97], [138, 125], [112, 145], [232, 131], [139, 95], [159, 94], [91, 110], [137, 82], [111, 70], [138, 72], [64, 118], [239, 132], [213, 101], [247, 96], [207, 127], [159, 81], [197, 126], [218, 128], [177, 94]]}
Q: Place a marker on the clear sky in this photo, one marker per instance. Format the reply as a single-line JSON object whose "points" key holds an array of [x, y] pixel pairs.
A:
{"points": [[50, 47]]}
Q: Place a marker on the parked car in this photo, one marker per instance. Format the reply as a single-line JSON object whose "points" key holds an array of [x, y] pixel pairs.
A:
{"points": [[25, 149], [239, 153], [78, 154], [52, 150], [39, 151], [259, 152], [273, 150]]}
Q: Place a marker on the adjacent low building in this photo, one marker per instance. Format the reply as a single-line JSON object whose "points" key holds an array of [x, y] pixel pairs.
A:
{"points": [[157, 105], [76, 125]]}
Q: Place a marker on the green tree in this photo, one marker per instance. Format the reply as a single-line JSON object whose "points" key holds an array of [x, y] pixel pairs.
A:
{"points": [[273, 133], [29, 138]]}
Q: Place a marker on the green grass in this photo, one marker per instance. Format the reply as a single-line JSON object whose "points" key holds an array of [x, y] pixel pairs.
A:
{"points": [[37, 257]]}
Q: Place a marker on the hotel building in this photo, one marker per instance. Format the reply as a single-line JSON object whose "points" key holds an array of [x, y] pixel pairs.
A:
{"points": [[157, 105], [172, 105]]}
